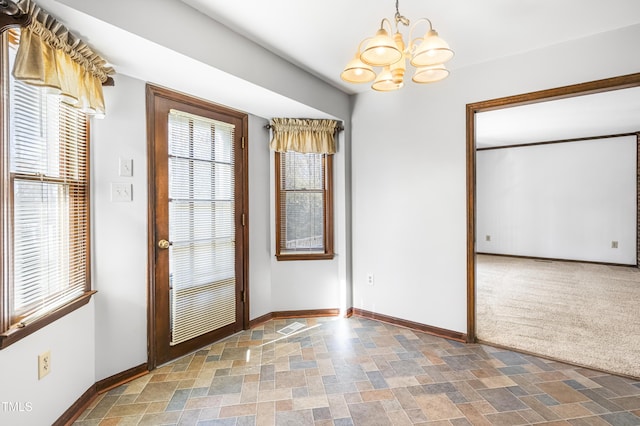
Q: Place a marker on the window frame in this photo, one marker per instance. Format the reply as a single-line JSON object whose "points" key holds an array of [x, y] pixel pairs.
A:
{"points": [[9, 332], [328, 213]]}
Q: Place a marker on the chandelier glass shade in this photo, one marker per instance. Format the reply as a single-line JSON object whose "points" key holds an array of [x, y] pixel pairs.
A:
{"points": [[427, 54]]}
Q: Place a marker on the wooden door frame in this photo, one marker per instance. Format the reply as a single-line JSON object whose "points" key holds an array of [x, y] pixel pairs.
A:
{"points": [[153, 92], [592, 87]]}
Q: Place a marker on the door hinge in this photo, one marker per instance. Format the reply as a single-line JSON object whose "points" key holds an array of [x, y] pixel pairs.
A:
{"points": [[244, 296], [242, 218], [242, 143]]}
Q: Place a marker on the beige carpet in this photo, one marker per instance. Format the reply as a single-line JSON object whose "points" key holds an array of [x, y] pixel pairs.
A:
{"points": [[582, 313]]}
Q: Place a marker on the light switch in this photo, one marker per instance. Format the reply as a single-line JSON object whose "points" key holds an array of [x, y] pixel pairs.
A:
{"points": [[121, 192], [125, 167]]}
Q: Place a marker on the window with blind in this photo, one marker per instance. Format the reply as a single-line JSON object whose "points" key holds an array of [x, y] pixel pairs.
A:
{"points": [[304, 206], [45, 214]]}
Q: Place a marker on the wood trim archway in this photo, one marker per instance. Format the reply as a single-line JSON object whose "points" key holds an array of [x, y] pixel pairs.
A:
{"points": [[598, 86]]}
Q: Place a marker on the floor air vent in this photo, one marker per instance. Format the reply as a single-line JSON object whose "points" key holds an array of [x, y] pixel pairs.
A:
{"points": [[291, 328]]}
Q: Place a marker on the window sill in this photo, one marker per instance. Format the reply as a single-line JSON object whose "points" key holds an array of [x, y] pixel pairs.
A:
{"points": [[305, 256], [11, 336]]}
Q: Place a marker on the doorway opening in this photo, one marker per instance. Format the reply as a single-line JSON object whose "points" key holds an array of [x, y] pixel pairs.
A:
{"points": [[595, 87]]}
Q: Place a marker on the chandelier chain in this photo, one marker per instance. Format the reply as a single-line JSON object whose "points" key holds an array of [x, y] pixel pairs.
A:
{"points": [[399, 18]]}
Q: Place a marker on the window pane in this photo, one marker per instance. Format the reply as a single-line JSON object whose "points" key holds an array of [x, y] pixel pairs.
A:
{"points": [[47, 204], [305, 222], [303, 204], [201, 225], [41, 249], [34, 131], [303, 171]]}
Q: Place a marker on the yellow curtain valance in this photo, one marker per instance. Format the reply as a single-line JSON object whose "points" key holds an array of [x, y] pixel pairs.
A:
{"points": [[303, 135], [51, 56]]}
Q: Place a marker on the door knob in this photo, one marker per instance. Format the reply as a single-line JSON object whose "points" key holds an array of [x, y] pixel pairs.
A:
{"points": [[164, 244]]}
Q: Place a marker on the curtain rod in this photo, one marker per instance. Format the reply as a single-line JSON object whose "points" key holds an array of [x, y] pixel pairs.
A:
{"points": [[340, 128], [12, 16]]}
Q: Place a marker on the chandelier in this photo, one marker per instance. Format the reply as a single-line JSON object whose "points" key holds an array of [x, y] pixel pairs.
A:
{"points": [[427, 54]]}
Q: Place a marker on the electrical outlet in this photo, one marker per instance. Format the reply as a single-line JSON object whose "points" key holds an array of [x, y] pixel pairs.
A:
{"points": [[44, 364], [370, 279], [614, 244]]}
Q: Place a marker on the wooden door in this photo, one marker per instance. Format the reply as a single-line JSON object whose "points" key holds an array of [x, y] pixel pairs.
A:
{"points": [[198, 229]]}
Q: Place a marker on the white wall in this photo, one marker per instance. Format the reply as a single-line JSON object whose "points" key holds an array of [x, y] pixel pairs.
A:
{"points": [[119, 232], [110, 334], [315, 284], [71, 343], [291, 285], [409, 168], [260, 218], [562, 201]]}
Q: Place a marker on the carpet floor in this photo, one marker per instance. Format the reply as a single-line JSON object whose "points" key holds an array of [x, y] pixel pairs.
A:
{"points": [[586, 314]]}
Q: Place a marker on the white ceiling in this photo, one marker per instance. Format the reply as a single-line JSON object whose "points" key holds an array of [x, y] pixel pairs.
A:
{"points": [[601, 114], [322, 36]]}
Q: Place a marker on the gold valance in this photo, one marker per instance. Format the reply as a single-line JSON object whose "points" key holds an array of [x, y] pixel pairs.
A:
{"points": [[51, 56], [303, 135]]}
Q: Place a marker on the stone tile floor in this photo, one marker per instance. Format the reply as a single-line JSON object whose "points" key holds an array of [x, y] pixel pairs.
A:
{"points": [[358, 371]]}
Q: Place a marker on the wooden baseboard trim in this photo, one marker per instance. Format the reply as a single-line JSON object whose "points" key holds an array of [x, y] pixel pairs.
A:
{"points": [[429, 329], [260, 320], [436, 331], [116, 380], [104, 385], [554, 259], [310, 313], [78, 407]]}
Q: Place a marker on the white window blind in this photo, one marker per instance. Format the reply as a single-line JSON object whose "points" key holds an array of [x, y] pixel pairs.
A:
{"points": [[302, 202], [201, 225], [47, 178]]}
